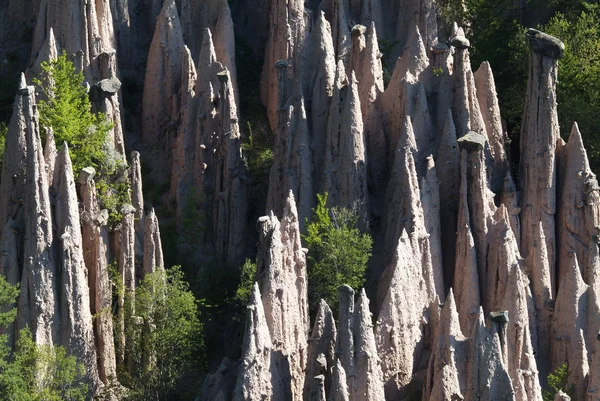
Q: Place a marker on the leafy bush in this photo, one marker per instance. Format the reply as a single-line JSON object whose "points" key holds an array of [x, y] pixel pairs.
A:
{"points": [[35, 372], [337, 252], [114, 190], [386, 48], [43, 372], [164, 338], [247, 279], [257, 139], [578, 87], [558, 381], [66, 108]]}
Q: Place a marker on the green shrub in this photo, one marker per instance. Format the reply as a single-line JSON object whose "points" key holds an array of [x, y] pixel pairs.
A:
{"points": [[114, 190], [338, 253], [65, 107], [578, 87], [247, 279], [386, 48], [35, 372], [257, 139], [164, 339], [558, 381]]}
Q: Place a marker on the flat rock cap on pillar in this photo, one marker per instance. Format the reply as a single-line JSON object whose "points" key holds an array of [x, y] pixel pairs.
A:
{"points": [[472, 141], [545, 44], [460, 42]]}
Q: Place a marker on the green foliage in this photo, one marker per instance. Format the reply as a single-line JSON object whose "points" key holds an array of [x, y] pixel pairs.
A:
{"points": [[35, 373], [257, 139], [578, 87], [558, 381], [8, 295], [114, 189], [224, 290], [65, 107], [258, 155], [386, 47], [450, 11], [247, 279], [164, 338], [571, 8], [497, 37], [337, 252]]}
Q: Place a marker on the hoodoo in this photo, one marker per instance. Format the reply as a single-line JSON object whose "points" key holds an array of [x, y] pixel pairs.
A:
{"points": [[225, 122]]}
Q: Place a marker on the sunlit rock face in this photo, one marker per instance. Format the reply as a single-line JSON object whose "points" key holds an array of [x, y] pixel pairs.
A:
{"points": [[482, 279]]}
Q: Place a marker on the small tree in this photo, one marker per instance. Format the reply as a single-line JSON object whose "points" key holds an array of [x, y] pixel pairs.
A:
{"points": [[338, 252], [35, 372], [66, 108], [164, 338], [578, 87], [558, 380]]}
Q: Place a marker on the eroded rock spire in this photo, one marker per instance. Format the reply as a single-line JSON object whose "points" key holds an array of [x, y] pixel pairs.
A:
{"points": [[76, 319], [539, 136]]}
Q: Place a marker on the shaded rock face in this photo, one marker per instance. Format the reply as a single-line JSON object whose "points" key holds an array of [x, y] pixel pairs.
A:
{"points": [[483, 280], [207, 170], [163, 80]]}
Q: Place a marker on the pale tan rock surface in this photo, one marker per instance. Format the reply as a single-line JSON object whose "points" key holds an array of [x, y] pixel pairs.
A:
{"points": [[39, 301], [399, 328], [344, 344], [487, 376], [321, 356], [576, 181], [286, 38], [539, 135], [481, 205], [230, 208], [466, 274], [281, 268], [345, 167], [570, 315], [449, 357], [367, 384], [254, 378], [153, 254], [77, 334], [465, 108], [510, 294], [448, 168], [318, 81], [162, 81], [292, 169], [505, 242], [339, 385], [430, 199], [95, 242], [490, 111]]}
